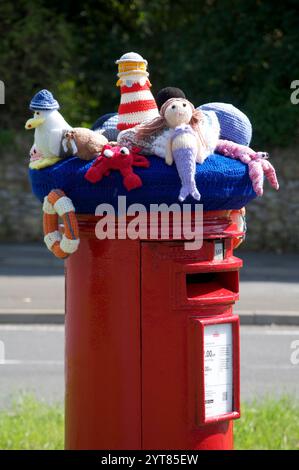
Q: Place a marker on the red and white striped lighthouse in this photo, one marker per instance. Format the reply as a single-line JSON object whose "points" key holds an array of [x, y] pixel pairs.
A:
{"points": [[137, 103]]}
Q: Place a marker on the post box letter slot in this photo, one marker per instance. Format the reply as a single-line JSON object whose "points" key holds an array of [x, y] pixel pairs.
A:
{"points": [[222, 285]]}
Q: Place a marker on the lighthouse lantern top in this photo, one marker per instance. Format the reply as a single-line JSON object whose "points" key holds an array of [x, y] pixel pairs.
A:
{"points": [[131, 57]]}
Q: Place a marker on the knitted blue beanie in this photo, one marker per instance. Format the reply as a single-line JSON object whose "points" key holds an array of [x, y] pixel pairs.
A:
{"points": [[43, 100], [234, 125]]}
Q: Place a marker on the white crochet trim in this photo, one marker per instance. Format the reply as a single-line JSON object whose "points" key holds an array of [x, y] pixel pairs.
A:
{"points": [[211, 130], [63, 205], [48, 207], [51, 238], [64, 144], [74, 147], [129, 80], [141, 95], [72, 143], [133, 75], [69, 246], [160, 143], [137, 117]]}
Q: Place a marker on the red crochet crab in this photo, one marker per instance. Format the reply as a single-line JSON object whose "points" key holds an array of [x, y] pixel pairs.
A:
{"points": [[118, 158]]}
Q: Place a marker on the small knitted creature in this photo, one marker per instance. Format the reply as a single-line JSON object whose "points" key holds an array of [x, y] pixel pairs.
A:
{"points": [[35, 154], [258, 164], [84, 143], [118, 158], [186, 144], [49, 125]]}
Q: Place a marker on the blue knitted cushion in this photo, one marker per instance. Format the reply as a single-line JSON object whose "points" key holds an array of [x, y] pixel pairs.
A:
{"points": [[223, 183], [234, 125], [107, 121], [108, 124]]}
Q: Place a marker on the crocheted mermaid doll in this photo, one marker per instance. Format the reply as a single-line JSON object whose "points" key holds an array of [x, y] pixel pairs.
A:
{"points": [[185, 145], [182, 149]]}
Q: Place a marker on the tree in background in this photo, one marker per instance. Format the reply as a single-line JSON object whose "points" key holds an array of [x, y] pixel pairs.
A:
{"points": [[239, 52], [36, 48]]}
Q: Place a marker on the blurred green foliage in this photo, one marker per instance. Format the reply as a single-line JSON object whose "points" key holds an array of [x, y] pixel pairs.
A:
{"points": [[244, 52]]}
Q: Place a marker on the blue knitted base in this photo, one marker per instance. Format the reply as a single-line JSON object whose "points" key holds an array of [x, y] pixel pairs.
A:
{"points": [[222, 182]]}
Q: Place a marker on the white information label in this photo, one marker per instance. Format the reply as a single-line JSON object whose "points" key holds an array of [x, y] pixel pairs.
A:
{"points": [[218, 370], [219, 250]]}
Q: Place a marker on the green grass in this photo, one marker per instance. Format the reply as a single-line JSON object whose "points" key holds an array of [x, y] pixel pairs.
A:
{"points": [[267, 424], [30, 424]]}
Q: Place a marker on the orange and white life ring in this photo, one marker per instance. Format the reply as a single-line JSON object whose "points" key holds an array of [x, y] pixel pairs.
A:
{"points": [[57, 204], [239, 218]]}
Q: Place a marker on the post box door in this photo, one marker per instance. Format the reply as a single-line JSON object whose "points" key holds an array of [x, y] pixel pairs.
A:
{"points": [[168, 416]]}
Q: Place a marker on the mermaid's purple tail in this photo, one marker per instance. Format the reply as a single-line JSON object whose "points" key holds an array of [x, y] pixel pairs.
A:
{"points": [[189, 189], [186, 165]]}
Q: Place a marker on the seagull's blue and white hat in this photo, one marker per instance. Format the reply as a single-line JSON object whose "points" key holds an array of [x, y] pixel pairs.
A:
{"points": [[43, 101]]}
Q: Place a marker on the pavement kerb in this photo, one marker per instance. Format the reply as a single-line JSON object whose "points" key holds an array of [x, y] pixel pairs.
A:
{"points": [[246, 318]]}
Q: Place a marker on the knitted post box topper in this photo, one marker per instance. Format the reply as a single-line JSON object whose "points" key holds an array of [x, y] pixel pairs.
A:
{"points": [[118, 158], [137, 103], [186, 145]]}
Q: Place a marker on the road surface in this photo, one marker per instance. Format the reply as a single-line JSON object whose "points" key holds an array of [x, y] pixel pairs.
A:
{"points": [[34, 362], [32, 281]]}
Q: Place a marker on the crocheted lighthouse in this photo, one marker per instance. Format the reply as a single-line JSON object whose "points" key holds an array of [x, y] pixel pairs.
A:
{"points": [[137, 103]]}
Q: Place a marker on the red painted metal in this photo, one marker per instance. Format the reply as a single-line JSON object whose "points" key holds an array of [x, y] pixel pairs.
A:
{"points": [[129, 368], [103, 396]]}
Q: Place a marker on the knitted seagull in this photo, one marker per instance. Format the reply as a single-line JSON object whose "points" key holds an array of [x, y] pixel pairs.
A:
{"points": [[49, 125]]}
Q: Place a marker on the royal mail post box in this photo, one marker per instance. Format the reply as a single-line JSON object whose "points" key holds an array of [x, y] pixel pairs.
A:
{"points": [[152, 343]]}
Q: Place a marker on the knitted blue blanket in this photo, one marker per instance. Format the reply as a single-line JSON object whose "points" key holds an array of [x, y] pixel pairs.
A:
{"points": [[222, 182]]}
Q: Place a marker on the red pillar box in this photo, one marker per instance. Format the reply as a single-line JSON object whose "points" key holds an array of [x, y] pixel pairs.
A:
{"points": [[152, 345]]}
